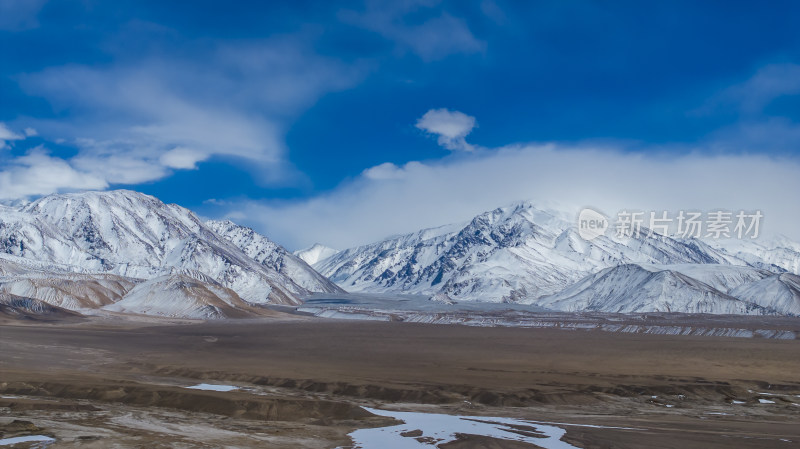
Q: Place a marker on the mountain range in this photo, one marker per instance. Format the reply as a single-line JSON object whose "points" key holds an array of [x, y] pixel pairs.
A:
{"points": [[123, 252], [525, 254]]}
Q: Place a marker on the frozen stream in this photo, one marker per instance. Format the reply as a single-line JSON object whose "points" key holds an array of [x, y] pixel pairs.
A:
{"points": [[28, 439], [427, 430]]}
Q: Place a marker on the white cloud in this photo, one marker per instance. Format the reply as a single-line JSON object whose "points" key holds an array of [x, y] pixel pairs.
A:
{"points": [[120, 168], [30, 132], [451, 127], [7, 135], [40, 174], [182, 158], [419, 195], [387, 170]]}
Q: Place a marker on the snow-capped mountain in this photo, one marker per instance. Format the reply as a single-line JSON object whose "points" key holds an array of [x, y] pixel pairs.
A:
{"points": [[506, 254], [525, 254], [138, 237], [315, 253]]}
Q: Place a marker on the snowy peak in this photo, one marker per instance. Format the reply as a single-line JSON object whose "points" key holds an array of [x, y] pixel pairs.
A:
{"points": [[315, 253], [137, 236], [103, 224]]}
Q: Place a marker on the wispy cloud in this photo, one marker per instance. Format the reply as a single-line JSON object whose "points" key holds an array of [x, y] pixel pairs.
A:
{"points": [[755, 128], [451, 128], [136, 121], [767, 84], [437, 36]]}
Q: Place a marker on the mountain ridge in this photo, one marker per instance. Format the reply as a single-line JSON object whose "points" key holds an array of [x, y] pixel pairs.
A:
{"points": [[520, 253]]}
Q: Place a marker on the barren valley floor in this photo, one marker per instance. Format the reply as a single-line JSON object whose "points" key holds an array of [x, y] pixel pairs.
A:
{"points": [[302, 382]]}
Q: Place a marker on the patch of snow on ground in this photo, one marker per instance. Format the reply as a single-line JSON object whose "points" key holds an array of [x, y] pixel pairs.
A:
{"points": [[213, 387]]}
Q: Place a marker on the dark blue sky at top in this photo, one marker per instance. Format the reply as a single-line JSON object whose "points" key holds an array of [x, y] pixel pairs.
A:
{"points": [[565, 71]]}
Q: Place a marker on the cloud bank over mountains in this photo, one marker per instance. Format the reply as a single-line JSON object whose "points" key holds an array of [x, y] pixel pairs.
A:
{"points": [[390, 199]]}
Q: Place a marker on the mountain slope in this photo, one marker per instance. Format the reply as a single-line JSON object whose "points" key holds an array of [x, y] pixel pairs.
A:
{"points": [[776, 254], [183, 296], [273, 256], [633, 288], [37, 291], [780, 292], [73, 292], [60, 285], [721, 277], [15, 308]]}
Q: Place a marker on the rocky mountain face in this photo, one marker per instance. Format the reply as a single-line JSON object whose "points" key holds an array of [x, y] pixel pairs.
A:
{"points": [[528, 255], [90, 250]]}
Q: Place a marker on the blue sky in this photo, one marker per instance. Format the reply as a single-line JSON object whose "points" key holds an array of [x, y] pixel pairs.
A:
{"points": [[304, 119]]}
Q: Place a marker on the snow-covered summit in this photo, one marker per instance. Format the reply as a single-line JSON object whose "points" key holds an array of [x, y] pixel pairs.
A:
{"points": [[138, 236], [315, 253]]}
